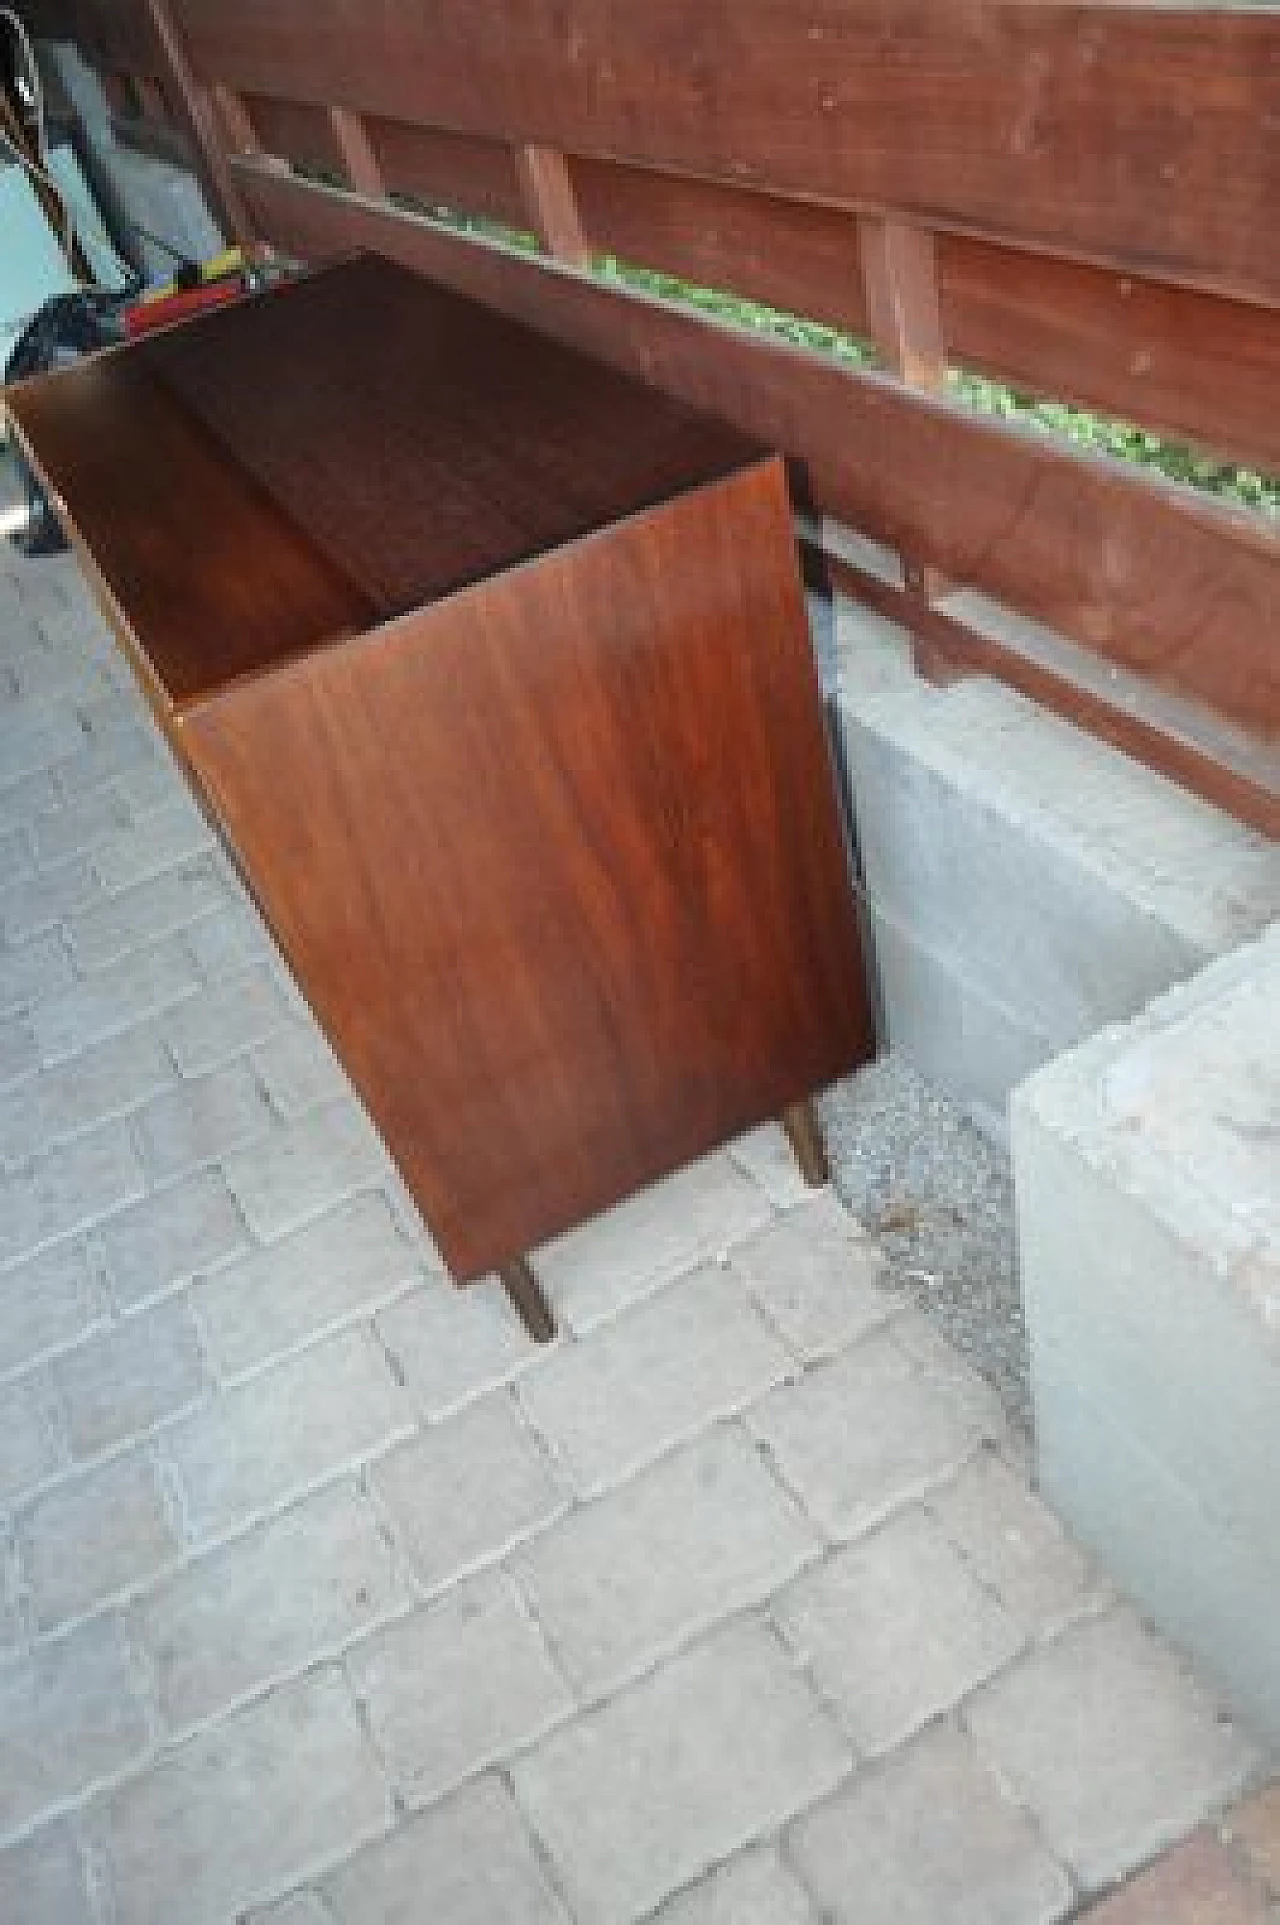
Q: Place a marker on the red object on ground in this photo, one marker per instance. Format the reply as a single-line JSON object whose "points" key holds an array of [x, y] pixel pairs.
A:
{"points": [[149, 315]]}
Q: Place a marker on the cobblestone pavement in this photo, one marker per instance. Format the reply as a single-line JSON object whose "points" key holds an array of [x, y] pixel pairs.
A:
{"points": [[326, 1600]]}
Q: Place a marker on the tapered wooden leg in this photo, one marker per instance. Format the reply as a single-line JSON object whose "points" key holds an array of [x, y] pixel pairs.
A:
{"points": [[527, 1297], [804, 1133]]}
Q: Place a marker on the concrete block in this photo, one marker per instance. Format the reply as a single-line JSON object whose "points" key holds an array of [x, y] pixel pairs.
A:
{"points": [[201, 1121], [69, 1189], [929, 1840], [47, 1304], [456, 1687], [268, 1605], [143, 914], [653, 1237], [1028, 882], [860, 1436], [895, 1629], [243, 1812], [115, 999], [100, 1535], [306, 1168], [635, 1800], [467, 1490], [621, 1581], [261, 1444], [754, 1889], [105, 1082], [470, 1861], [814, 1274], [1111, 1744], [178, 1233], [33, 969], [662, 1371], [453, 1345], [70, 1716], [42, 1881], [224, 1020], [127, 1379], [336, 1271], [1155, 1148]]}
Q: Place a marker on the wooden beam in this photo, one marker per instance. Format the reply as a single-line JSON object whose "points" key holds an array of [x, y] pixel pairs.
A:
{"points": [[241, 133], [551, 204], [198, 112], [359, 161], [1138, 137], [1172, 587]]}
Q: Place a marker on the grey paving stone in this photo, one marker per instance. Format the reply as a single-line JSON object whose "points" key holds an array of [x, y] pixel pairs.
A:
{"points": [[188, 1230], [767, 1157], [300, 1908], [47, 898], [77, 825], [651, 1238], [268, 1604], [29, 970], [45, 1304], [23, 797], [457, 1686], [269, 1439], [68, 1189], [895, 1630], [928, 1840], [31, 1449], [468, 1862], [42, 1882], [13, 1628], [702, 1534], [158, 842], [94, 1537], [1111, 1743], [116, 999], [862, 1435], [227, 945], [342, 1267], [243, 1812], [640, 1797], [36, 735], [143, 914], [467, 1490], [306, 1168], [19, 1052], [658, 1373], [955, 1380], [128, 1378], [299, 1071], [15, 857], [815, 1275], [107, 1081], [201, 1121], [70, 1716], [1016, 1546], [754, 1889], [224, 1020], [452, 1345]]}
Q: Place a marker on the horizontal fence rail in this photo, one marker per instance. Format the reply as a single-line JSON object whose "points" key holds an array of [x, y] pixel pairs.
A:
{"points": [[1078, 200]]}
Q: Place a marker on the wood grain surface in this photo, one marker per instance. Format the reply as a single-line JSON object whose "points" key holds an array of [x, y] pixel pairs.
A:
{"points": [[1172, 586], [1145, 137], [558, 863]]}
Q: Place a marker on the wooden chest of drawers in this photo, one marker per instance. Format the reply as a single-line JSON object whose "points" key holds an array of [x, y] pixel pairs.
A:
{"points": [[493, 667]]}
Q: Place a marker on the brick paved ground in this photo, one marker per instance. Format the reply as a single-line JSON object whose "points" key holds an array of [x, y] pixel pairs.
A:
{"points": [[325, 1600]]}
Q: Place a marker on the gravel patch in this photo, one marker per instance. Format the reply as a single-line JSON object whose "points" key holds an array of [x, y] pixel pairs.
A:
{"points": [[938, 1196]]}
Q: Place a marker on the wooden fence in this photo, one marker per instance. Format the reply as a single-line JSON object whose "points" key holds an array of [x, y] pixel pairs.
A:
{"points": [[1082, 200]]}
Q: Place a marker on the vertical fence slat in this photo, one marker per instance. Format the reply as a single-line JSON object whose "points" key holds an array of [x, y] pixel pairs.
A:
{"points": [[552, 204], [358, 158]]}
